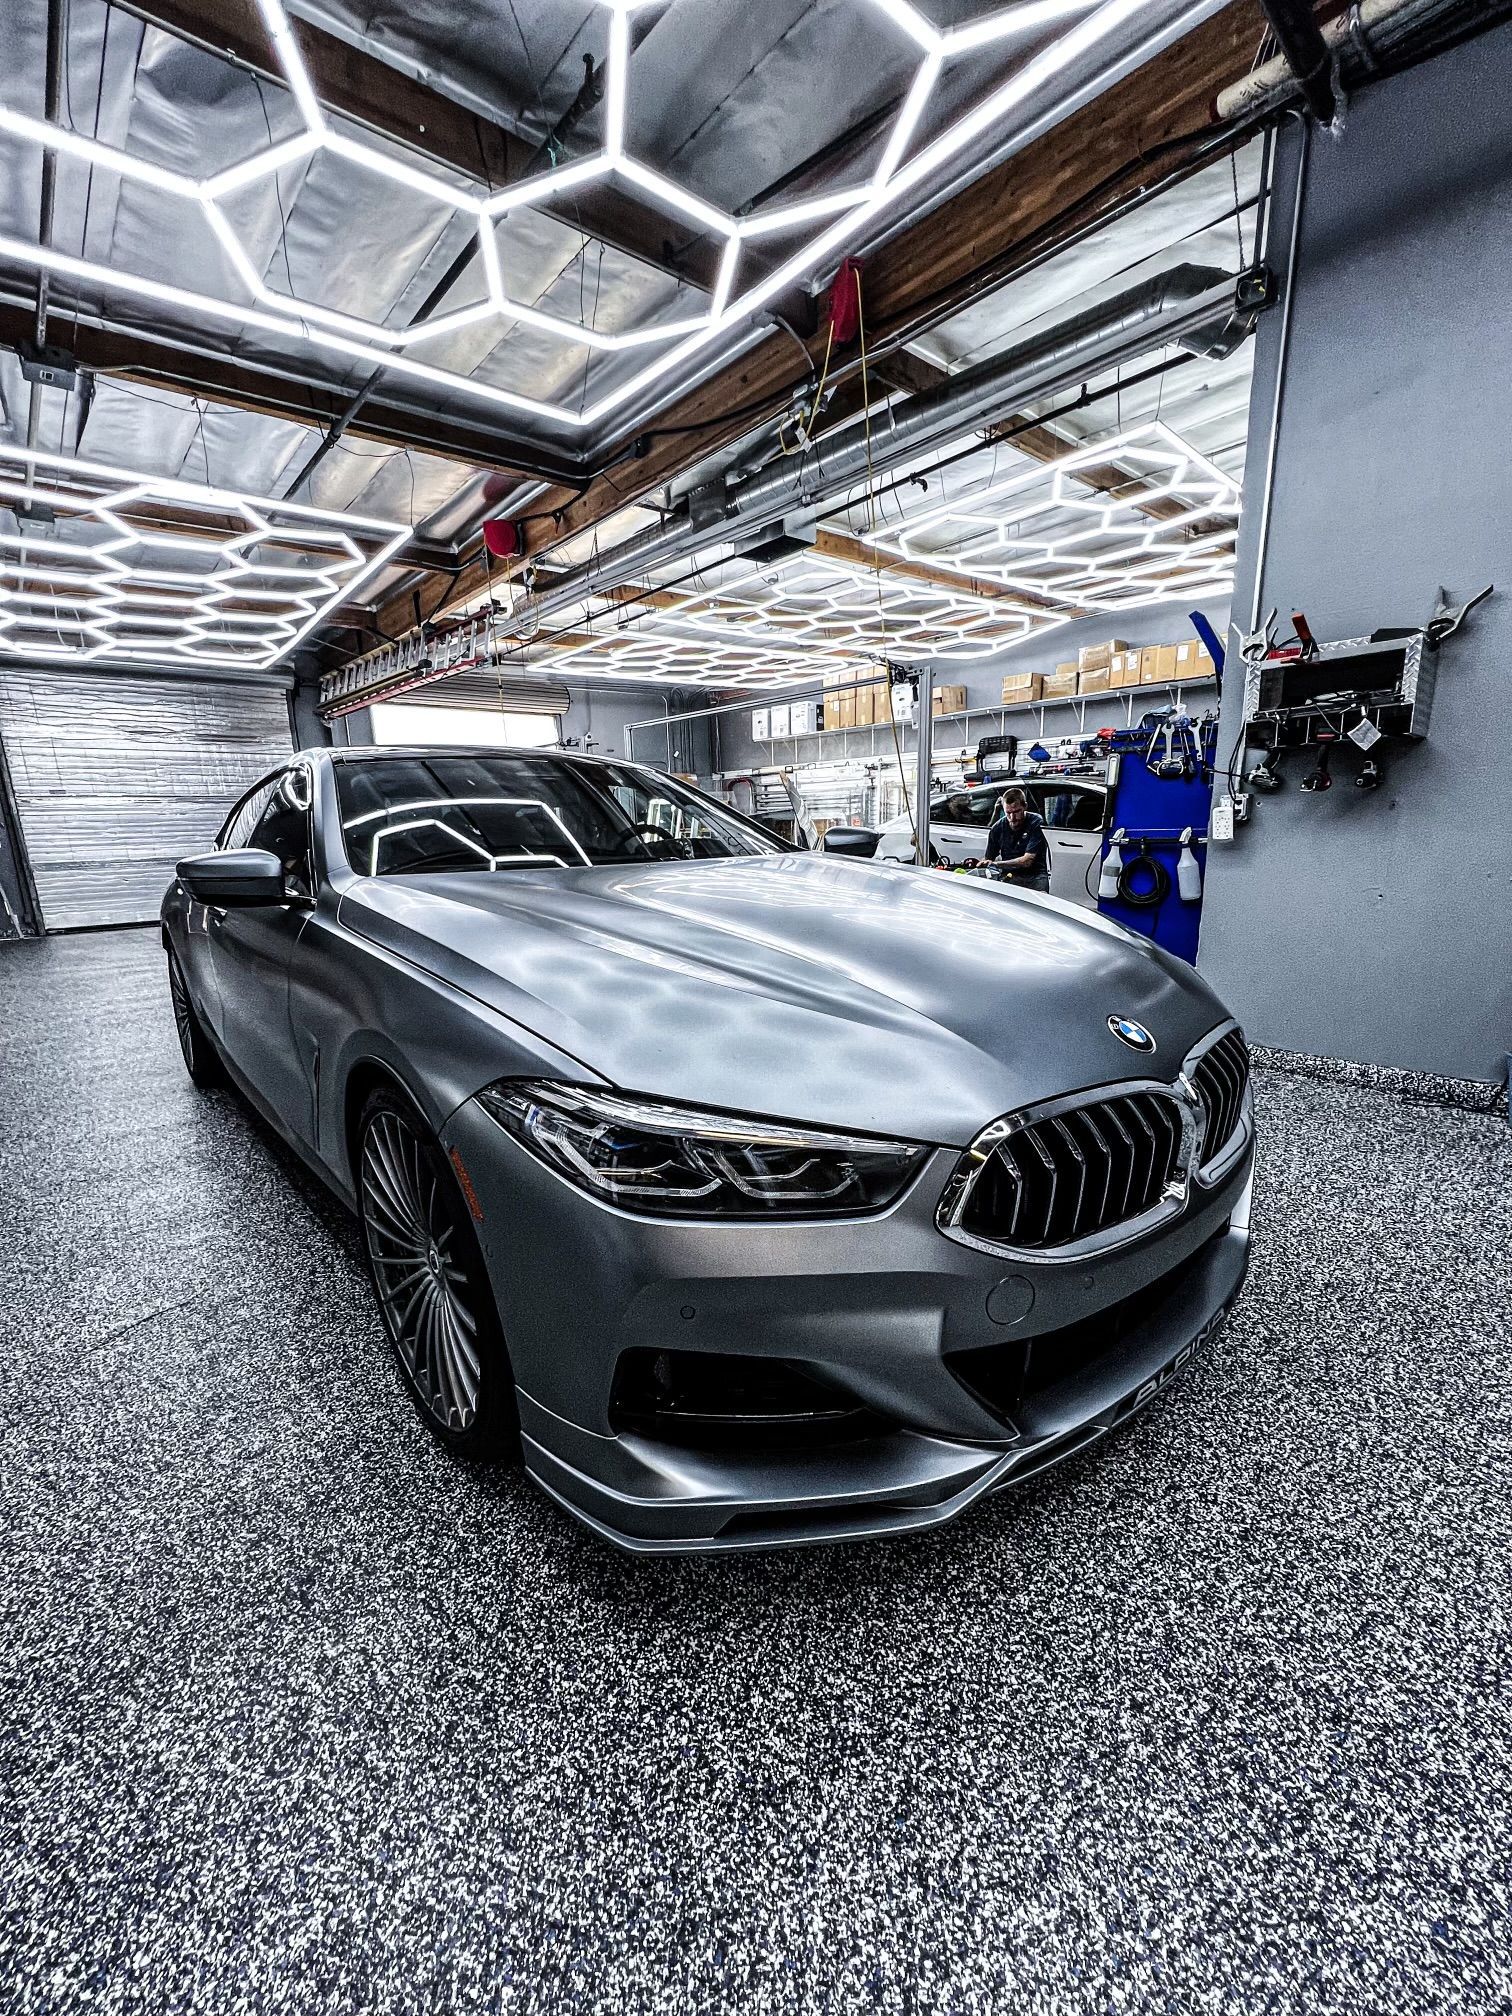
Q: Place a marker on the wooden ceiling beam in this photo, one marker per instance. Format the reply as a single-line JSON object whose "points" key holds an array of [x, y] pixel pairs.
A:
{"points": [[874, 560], [1087, 163]]}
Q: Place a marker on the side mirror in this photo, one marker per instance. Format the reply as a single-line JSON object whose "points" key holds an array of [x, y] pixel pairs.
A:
{"points": [[237, 879], [859, 842]]}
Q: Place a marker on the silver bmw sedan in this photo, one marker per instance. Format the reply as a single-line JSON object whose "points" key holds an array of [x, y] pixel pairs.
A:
{"points": [[755, 1196]]}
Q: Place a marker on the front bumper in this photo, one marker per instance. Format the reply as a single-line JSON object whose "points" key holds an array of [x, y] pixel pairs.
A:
{"points": [[886, 1309]]}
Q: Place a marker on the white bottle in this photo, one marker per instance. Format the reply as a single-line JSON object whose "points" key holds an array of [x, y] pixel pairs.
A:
{"points": [[1188, 874], [1112, 868]]}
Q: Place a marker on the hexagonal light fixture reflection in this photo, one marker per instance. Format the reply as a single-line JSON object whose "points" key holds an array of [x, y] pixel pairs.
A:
{"points": [[92, 586], [823, 222]]}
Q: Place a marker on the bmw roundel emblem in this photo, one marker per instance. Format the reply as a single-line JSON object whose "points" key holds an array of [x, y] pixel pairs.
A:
{"points": [[1134, 1034]]}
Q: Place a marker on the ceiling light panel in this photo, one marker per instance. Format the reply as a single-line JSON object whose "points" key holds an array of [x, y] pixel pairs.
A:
{"points": [[673, 655], [1079, 32], [107, 565], [1169, 528]]}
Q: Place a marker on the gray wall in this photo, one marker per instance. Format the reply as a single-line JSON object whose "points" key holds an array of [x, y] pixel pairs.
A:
{"points": [[1163, 623], [605, 713], [1378, 926]]}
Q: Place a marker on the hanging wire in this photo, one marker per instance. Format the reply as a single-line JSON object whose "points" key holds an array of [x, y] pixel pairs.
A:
{"points": [[1238, 206], [283, 218], [926, 691]]}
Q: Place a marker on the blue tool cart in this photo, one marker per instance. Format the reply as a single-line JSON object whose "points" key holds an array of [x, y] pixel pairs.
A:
{"points": [[1160, 790]]}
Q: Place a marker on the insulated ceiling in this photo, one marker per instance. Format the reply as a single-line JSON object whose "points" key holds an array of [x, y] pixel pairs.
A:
{"points": [[755, 144], [237, 214]]}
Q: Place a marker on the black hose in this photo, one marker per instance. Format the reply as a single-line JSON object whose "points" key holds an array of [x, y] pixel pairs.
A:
{"points": [[1159, 888]]}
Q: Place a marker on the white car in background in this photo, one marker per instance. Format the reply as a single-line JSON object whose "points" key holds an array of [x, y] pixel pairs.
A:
{"points": [[1072, 808]]}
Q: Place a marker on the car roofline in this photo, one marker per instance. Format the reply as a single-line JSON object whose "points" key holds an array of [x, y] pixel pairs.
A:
{"points": [[379, 750]]}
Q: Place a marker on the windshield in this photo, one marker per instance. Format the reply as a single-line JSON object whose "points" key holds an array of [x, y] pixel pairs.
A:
{"points": [[443, 813]]}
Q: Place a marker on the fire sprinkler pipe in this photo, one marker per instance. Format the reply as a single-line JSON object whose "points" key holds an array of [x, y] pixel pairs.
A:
{"points": [[1307, 55], [1367, 32]]}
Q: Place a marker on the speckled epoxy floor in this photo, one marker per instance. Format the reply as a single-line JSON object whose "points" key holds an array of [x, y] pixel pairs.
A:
{"points": [[296, 1715]]}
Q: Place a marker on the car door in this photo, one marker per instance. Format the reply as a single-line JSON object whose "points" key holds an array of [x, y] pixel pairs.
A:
{"points": [[958, 824], [197, 950], [251, 950], [1073, 816]]}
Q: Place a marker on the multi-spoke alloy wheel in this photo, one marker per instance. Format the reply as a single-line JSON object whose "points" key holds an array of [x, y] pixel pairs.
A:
{"points": [[200, 1060], [435, 1305]]}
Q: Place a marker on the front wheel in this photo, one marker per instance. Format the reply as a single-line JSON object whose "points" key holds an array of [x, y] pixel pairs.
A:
{"points": [[434, 1294], [200, 1060]]}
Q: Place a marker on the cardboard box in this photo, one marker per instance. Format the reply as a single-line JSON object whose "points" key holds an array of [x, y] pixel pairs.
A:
{"points": [[1059, 684], [949, 700], [1193, 662], [865, 699], [1067, 665], [882, 702], [1157, 665], [843, 708], [1124, 671], [1094, 680], [1020, 688], [803, 717], [1098, 657], [761, 724], [779, 721]]}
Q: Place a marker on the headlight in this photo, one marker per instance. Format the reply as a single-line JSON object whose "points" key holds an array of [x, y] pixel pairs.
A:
{"points": [[679, 1163]]}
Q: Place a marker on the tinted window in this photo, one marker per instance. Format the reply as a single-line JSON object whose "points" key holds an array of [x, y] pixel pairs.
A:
{"points": [[445, 814], [284, 827], [238, 828], [1078, 811], [965, 808]]}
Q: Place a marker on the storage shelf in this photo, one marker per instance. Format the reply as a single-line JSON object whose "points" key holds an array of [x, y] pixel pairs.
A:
{"points": [[837, 740]]}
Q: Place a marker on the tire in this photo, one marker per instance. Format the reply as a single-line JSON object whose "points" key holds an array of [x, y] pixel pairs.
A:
{"points": [[200, 1060], [432, 1287]]}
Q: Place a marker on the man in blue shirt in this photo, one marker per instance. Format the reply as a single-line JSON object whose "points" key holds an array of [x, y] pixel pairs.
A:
{"points": [[1016, 840]]}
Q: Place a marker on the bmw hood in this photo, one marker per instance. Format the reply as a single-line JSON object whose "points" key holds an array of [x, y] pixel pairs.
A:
{"points": [[838, 993]]}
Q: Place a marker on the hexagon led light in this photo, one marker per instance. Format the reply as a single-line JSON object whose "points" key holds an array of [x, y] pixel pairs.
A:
{"points": [[674, 654], [791, 622], [816, 602], [823, 223], [106, 565], [1170, 530]]}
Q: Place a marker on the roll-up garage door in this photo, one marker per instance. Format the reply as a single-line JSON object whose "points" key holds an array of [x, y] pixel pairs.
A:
{"points": [[117, 777], [494, 691]]}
